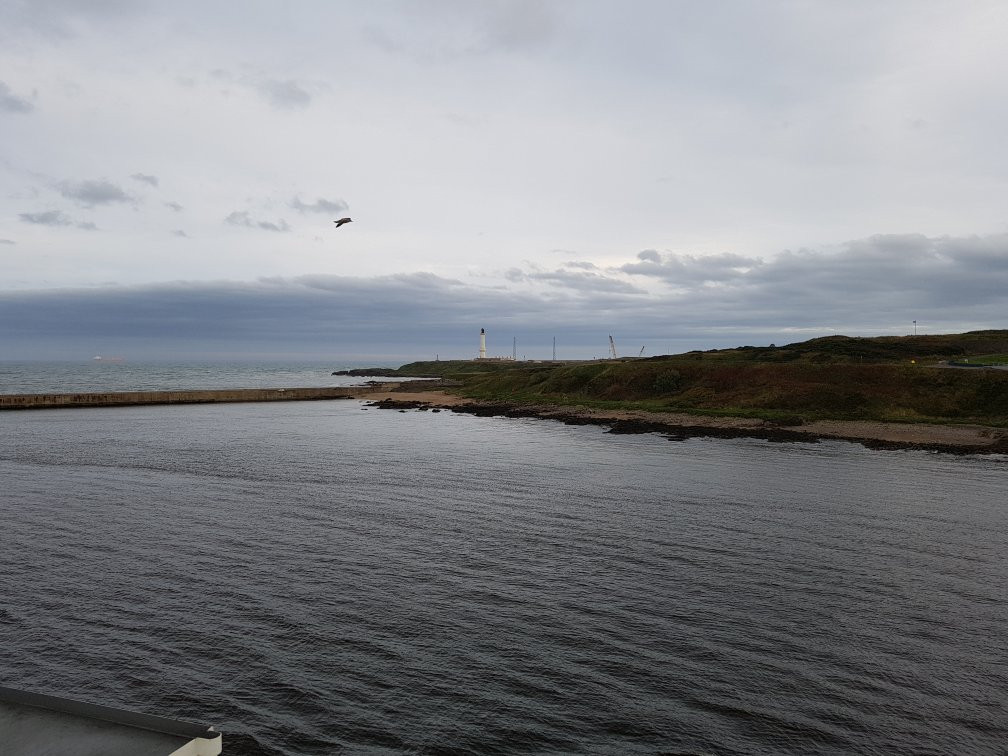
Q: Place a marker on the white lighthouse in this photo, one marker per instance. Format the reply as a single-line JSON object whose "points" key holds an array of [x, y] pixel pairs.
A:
{"points": [[482, 344]]}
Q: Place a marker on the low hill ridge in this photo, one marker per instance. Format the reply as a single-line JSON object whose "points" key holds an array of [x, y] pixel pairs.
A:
{"points": [[885, 378]]}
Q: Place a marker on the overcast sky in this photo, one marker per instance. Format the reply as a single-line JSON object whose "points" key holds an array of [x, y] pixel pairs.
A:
{"points": [[678, 174]]}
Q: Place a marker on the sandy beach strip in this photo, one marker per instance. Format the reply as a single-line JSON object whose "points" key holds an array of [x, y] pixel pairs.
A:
{"points": [[950, 438]]}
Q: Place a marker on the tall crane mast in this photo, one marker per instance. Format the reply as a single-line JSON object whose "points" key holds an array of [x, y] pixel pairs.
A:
{"points": [[612, 347]]}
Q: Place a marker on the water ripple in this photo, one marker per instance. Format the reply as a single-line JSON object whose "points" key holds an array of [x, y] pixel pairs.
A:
{"points": [[313, 579]]}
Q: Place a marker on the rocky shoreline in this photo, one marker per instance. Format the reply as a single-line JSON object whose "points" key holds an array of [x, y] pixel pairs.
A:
{"points": [[957, 439]]}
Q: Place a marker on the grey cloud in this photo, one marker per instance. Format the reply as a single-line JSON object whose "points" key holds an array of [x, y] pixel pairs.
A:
{"points": [[93, 192], [689, 270], [174, 206], [7, 241], [55, 218], [871, 286], [584, 283], [12, 103], [242, 218], [268, 226], [575, 282], [402, 314], [284, 94], [581, 265], [515, 275], [874, 285], [889, 272], [180, 233], [145, 178], [47, 218], [320, 206]]}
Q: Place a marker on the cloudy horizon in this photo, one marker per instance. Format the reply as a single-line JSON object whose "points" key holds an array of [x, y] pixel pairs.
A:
{"points": [[680, 176]]}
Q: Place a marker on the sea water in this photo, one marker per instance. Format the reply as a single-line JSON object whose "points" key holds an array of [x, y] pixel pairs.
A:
{"points": [[111, 375], [323, 577]]}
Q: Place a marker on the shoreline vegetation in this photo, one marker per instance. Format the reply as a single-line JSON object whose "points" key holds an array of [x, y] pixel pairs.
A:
{"points": [[887, 392], [954, 439], [884, 392]]}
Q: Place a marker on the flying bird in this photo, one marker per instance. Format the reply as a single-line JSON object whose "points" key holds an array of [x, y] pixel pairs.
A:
{"points": [[341, 221]]}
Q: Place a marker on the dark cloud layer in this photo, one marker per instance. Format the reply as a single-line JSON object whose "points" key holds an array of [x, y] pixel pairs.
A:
{"points": [[871, 286], [93, 192], [145, 178], [408, 314], [55, 219], [879, 274], [47, 218]]}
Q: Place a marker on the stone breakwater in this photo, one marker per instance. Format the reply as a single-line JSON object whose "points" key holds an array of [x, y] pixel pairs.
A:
{"points": [[207, 396]]}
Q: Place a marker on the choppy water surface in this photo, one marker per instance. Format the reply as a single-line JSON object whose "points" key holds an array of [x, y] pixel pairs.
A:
{"points": [[105, 375], [314, 578]]}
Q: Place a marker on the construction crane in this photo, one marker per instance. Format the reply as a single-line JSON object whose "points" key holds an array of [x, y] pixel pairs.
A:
{"points": [[612, 347], [641, 351]]}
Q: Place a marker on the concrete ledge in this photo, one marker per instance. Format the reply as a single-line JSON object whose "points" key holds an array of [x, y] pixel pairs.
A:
{"points": [[209, 396], [33, 724]]}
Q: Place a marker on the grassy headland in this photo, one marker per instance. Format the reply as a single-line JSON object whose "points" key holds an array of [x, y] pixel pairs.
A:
{"points": [[889, 379]]}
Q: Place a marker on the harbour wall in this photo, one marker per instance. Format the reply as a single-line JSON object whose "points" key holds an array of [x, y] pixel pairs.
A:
{"points": [[205, 396]]}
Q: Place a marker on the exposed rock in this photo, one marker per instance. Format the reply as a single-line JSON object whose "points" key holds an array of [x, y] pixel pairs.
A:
{"points": [[398, 404], [369, 372]]}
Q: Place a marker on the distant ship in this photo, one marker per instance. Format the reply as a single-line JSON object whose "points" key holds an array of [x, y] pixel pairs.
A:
{"points": [[99, 358]]}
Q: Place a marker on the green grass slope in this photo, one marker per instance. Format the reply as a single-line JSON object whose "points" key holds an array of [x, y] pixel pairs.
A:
{"points": [[785, 392], [837, 377], [834, 349], [451, 368]]}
